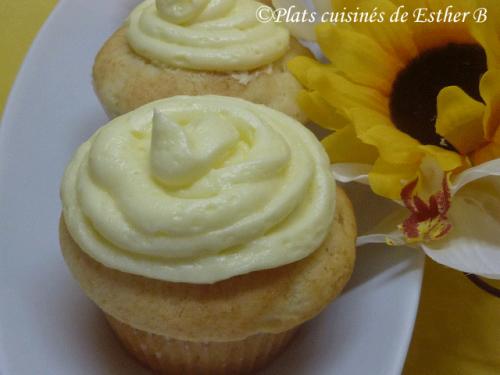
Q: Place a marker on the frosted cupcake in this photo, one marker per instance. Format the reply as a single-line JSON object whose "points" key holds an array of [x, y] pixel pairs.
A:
{"points": [[207, 229], [173, 47]]}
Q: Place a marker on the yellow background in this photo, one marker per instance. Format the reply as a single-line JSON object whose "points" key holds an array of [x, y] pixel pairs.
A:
{"points": [[458, 326]]}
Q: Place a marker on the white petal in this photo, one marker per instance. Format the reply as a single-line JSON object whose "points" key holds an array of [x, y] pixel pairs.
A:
{"points": [[312, 46], [300, 30], [490, 168], [347, 172], [473, 245]]}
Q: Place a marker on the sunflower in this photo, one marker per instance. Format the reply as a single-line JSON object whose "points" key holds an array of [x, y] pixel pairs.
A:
{"points": [[414, 108], [396, 93]]}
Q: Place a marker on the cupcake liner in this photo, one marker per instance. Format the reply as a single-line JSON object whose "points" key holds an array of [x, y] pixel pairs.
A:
{"points": [[166, 355]]}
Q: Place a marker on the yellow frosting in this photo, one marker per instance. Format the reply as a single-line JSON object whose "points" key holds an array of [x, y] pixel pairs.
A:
{"points": [[199, 189], [213, 35]]}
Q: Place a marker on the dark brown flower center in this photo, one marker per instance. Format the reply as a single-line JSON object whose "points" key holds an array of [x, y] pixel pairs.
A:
{"points": [[414, 92]]}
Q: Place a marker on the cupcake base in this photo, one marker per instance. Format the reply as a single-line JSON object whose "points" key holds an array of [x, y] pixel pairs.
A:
{"points": [[124, 80], [229, 327], [171, 356]]}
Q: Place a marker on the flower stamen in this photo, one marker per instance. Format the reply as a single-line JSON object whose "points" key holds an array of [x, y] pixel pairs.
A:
{"points": [[427, 220]]}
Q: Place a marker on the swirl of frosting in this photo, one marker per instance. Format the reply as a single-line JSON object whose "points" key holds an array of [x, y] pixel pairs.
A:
{"points": [[213, 35], [199, 189]]}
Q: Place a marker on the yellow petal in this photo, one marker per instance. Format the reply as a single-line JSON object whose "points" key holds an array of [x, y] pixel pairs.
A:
{"points": [[343, 94], [358, 56], [394, 37], [428, 35], [447, 160], [387, 179], [299, 66], [458, 5], [490, 92], [410, 5], [489, 152], [459, 119], [343, 146], [487, 34], [365, 118], [319, 111], [339, 4], [393, 145]]}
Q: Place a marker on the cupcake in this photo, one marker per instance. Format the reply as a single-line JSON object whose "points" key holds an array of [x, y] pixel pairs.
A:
{"points": [[207, 229], [170, 47]]}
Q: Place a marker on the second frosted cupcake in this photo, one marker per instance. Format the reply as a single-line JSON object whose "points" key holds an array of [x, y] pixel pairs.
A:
{"points": [[170, 47]]}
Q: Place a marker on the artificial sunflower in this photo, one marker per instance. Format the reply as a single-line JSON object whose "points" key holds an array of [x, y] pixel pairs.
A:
{"points": [[414, 108]]}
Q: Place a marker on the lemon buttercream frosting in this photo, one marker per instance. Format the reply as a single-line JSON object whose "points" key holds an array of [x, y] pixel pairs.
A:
{"points": [[211, 35], [199, 189]]}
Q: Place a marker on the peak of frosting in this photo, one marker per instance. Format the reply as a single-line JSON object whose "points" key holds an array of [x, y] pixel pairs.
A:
{"points": [[212, 35], [199, 189], [180, 155], [185, 12]]}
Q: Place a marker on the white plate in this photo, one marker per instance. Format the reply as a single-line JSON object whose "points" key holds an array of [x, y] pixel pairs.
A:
{"points": [[47, 326]]}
